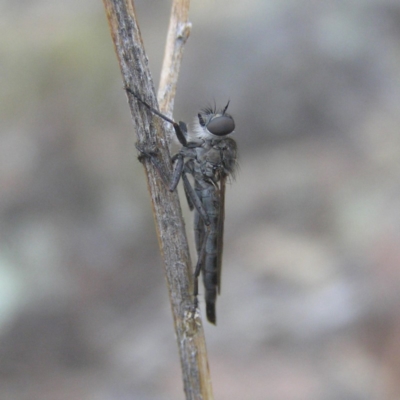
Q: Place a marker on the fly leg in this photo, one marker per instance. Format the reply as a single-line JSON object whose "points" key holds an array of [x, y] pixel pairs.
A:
{"points": [[201, 252], [180, 166], [178, 171], [193, 198], [178, 161], [203, 221], [151, 154], [180, 128], [202, 231]]}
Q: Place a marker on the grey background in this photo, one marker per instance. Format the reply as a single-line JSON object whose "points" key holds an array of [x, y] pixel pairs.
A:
{"points": [[310, 300]]}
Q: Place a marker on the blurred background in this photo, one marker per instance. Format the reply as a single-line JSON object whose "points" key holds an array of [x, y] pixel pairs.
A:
{"points": [[310, 304]]}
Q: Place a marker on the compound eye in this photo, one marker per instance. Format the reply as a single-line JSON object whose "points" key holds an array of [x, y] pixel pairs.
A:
{"points": [[221, 126]]}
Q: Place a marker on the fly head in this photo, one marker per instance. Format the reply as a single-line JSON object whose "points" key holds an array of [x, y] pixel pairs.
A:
{"points": [[217, 122]]}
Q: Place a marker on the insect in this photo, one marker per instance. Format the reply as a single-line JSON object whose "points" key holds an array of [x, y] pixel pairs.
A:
{"points": [[209, 155]]}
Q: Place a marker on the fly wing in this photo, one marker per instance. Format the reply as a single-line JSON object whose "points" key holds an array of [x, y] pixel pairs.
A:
{"points": [[220, 230], [229, 157]]}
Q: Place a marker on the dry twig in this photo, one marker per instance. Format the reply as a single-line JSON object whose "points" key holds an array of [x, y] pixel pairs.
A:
{"points": [[166, 208]]}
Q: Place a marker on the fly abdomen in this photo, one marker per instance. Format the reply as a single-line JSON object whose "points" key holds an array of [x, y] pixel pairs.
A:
{"points": [[210, 200], [210, 275]]}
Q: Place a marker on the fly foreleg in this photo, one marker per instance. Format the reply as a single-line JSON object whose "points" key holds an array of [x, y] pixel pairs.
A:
{"points": [[179, 163], [192, 195], [178, 160], [151, 154], [180, 129]]}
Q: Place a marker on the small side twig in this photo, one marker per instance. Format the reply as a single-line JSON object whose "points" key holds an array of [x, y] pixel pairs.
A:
{"points": [[166, 208], [178, 33]]}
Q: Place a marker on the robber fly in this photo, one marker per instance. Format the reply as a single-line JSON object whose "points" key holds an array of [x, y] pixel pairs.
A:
{"points": [[209, 155]]}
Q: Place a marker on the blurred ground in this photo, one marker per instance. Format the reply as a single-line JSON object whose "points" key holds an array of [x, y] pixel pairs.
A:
{"points": [[310, 297]]}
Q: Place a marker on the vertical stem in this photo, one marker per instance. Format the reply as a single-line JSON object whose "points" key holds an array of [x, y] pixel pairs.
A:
{"points": [[178, 33], [166, 208]]}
